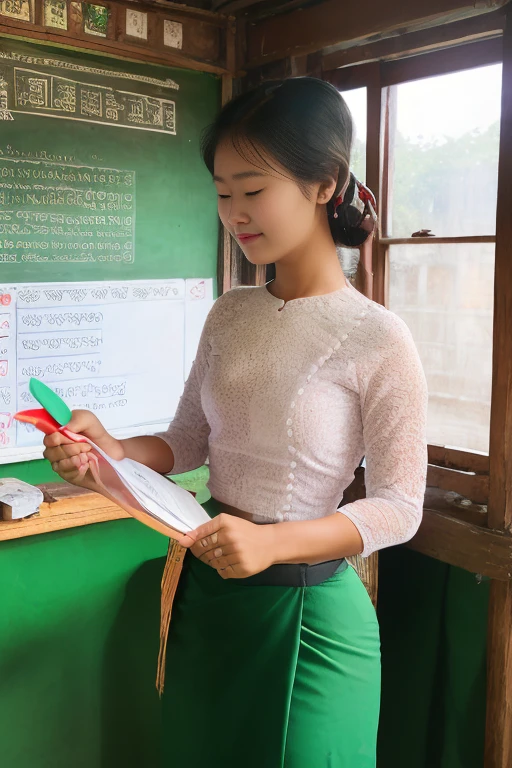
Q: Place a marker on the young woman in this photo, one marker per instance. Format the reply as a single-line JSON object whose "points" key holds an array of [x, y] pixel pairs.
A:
{"points": [[273, 650]]}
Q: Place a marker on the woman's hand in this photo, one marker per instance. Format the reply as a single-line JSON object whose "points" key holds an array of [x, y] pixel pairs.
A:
{"points": [[69, 459], [235, 547]]}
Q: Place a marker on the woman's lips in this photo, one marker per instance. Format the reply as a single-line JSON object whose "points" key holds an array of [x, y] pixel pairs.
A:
{"points": [[247, 238]]}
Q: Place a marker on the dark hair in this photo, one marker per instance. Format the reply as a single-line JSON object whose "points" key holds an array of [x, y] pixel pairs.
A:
{"points": [[303, 123]]}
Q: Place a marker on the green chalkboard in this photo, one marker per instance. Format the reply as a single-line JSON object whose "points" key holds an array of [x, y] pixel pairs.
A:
{"points": [[100, 174]]}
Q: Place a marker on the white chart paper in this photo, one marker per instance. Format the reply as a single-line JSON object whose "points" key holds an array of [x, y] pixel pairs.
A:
{"points": [[120, 349]]}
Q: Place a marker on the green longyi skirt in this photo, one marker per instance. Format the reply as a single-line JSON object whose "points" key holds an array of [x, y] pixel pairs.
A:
{"points": [[271, 677]]}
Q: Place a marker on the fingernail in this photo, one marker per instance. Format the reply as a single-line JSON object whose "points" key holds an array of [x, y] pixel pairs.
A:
{"points": [[218, 552], [204, 542], [214, 537]]}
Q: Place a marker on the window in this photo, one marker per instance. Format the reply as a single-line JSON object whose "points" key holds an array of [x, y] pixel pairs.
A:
{"points": [[444, 293], [443, 148], [445, 152], [356, 102]]}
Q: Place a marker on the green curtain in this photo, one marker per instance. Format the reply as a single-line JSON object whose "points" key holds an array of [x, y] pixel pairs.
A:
{"points": [[433, 620]]}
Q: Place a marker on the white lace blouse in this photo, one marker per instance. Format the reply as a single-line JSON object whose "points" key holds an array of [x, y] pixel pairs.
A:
{"points": [[286, 399]]}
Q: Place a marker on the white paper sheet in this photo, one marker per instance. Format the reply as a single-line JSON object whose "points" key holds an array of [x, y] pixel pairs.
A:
{"points": [[160, 497]]}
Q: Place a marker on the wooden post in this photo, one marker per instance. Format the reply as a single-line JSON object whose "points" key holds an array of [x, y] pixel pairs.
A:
{"points": [[498, 734], [226, 244], [368, 568], [498, 741]]}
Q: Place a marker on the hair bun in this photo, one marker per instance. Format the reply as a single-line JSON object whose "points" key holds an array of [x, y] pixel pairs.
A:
{"points": [[354, 218]]}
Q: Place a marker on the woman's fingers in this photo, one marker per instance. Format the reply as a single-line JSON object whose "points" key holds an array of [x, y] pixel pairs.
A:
{"points": [[229, 573], [60, 452], [222, 563], [86, 423], [56, 438], [66, 451], [218, 553], [71, 464]]}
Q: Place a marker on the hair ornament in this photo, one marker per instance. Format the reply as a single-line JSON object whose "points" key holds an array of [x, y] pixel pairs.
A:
{"points": [[356, 212]]}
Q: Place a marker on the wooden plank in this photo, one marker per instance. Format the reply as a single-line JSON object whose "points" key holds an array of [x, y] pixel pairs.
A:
{"points": [[389, 107], [498, 731], [500, 446], [425, 41], [498, 734], [451, 504], [471, 486], [254, 9], [226, 249], [123, 51], [438, 240], [202, 36], [331, 22], [381, 251], [465, 545], [456, 59], [452, 458], [369, 252], [186, 10], [352, 77], [78, 508], [230, 53]]}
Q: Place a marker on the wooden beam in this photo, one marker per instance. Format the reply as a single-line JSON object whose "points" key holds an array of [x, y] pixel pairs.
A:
{"points": [[331, 22], [465, 545], [456, 59], [452, 504], [364, 281], [500, 447], [230, 54], [454, 459], [425, 41], [469, 485], [111, 49], [226, 245], [498, 736], [351, 77], [201, 48], [187, 11], [439, 240]]}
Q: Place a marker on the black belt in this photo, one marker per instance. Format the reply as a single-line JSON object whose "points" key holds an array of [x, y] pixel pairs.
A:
{"points": [[295, 574]]}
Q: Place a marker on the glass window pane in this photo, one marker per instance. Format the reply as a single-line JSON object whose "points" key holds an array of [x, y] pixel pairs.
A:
{"points": [[445, 295], [446, 154], [356, 102]]}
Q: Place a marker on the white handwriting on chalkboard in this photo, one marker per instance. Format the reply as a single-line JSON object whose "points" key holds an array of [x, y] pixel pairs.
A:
{"points": [[35, 229]]}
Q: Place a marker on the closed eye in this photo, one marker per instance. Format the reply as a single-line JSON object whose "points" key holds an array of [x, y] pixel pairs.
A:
{"points": [[252, 194], [224, 197]]}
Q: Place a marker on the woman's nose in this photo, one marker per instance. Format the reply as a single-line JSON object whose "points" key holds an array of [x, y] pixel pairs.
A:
{"points": [[237, 215]]}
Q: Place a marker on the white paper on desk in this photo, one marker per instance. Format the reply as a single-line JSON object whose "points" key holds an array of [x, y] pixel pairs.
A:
{"points": [[160, 497]]}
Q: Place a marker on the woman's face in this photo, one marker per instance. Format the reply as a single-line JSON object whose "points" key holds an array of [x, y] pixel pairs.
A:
{"points": [[264, 209]]}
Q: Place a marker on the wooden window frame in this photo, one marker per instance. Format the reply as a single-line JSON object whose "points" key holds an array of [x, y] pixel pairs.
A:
{"points": [[380, 79]]}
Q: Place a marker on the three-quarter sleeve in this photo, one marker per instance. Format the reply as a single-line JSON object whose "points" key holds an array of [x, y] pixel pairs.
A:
{"points": [[394, 397], [187, 434]]}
